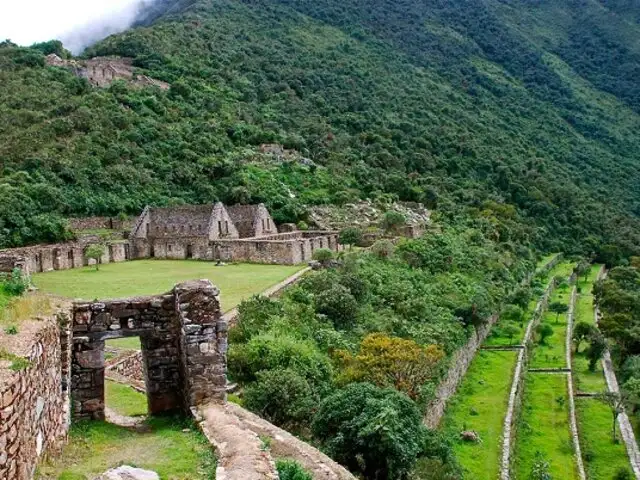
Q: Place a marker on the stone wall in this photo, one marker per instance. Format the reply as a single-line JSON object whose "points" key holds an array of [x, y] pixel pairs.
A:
{"points": [[95, 223], [183, 340], [10, 261], [131, 366], [34, 407], [458, 366]]}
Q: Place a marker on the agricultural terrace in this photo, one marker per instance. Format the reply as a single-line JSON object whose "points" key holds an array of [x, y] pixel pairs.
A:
{"points": [[480, 403], [147, 277], [543, 431], [602, 457], [551, 352]]}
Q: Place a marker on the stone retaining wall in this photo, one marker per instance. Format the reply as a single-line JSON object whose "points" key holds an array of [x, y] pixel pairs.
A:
{"points": [[34, 404], [131, 366], [458, 366]]}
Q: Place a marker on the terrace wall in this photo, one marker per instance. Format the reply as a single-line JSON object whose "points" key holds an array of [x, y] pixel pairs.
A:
{"points": [[34, 402], [458, 366]]}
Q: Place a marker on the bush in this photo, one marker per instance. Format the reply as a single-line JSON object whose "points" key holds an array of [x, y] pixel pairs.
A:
{"points": [[377, 432], [16, 283], [392, 220], [623, 473], [322, 255], [269, 352], [339, 305], [383, 249], [253, 316], [291, 470], [350, 236], [282, 396], [544, 331]]}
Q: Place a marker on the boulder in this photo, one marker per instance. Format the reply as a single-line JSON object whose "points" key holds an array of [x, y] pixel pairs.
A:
{"points": [[125, 472]]}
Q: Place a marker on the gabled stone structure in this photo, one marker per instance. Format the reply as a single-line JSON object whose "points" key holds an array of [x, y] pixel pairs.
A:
{"points": [[252, 220]]}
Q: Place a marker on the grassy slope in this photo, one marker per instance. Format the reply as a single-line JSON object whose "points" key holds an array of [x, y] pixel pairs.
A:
{"points": [[480, 404], [544, 427], [603, 458], [146, 277], [124, 400], [552, 353]]}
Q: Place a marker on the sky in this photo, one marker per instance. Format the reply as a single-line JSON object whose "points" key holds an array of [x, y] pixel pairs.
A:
{"points": [[78, 23]]}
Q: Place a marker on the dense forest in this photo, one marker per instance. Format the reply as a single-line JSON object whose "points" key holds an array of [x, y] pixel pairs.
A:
{"points": [[522, 113]]}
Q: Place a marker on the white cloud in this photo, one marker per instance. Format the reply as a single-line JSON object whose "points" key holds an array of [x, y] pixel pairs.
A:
{"points": [[77, 23]]}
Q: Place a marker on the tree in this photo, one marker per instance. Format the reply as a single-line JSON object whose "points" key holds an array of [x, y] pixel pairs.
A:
{"points": [[581, 333], [383, 249], [596, 349], [376, 432], [510, 331], [339, 305], [393, 362], [392, 220], [94, 252], [282, 396], [558, 308], [615, 402], [631, 389], [544, 331], [582, 269], [322, 255], [350, 236], [513, 313]]}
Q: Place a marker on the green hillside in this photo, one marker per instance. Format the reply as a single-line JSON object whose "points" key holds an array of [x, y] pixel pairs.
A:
{"points": [[521, 112]]}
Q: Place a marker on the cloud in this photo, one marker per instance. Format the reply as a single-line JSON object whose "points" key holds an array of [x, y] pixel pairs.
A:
{"points": [[77, 23]]}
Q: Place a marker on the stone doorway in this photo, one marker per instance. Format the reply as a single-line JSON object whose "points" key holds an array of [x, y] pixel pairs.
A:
{"points": [[183, 342], [189, 251]]}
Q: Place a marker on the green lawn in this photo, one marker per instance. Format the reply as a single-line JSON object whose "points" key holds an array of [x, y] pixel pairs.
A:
{"points": [[544, 427], [551, 354], [124, 400], [602, 457], [170, 446], [545, 260], [480, 404], [147, 277]]}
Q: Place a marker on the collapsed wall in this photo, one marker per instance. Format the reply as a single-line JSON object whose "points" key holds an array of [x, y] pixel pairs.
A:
{"points": [[34, 401]]}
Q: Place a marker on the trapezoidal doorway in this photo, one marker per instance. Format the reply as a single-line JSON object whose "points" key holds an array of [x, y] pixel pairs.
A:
{"points": [[183, 343]]}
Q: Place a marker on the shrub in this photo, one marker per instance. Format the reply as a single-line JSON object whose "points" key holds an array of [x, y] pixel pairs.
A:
{"points": [[357, 287], [322, 255], [392, 220], [291, 470], [350, 236], [302, 225], [383, 249], [15, 283], [623, 473], [253, 316], [282, 396], [95, 252], [269, 352], [377, 432], [544, 331], [339, 305]]}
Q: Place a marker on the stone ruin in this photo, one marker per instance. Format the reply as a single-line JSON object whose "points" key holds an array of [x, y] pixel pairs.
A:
{"points": [[184, 343], [103, 71]]}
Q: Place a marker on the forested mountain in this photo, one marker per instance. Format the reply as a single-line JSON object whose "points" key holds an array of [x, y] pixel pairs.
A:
{"points": [[524, 113]]}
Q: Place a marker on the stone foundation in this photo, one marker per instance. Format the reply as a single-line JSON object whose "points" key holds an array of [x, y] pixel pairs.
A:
{"points": [[34, 403]]}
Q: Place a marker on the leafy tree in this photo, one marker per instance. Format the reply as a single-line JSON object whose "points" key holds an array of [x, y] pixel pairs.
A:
{"points": [[631, 394], [339, 305], [393, 220], [322, 255], [383, 249], [513, 313], [510, 331], [376, 432], [596, 349], [582, 269], [282, 396], [630, 368], [615, 401], [623, 473], [393, 362], [581, 333], [95, 252], [558, 308], [544, 331], [350, 236]]}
